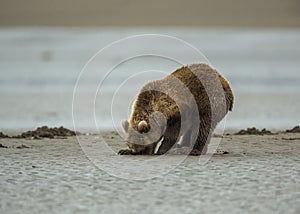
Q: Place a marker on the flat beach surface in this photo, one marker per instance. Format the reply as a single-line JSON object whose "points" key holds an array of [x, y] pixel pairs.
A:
{"points": [[259, 174]]}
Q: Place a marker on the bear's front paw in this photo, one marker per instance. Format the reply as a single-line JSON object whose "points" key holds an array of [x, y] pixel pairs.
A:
{"points": [[125, 152]]}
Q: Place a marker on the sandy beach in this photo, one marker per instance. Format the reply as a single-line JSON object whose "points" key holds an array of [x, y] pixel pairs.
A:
{"points": [[55, 175]]}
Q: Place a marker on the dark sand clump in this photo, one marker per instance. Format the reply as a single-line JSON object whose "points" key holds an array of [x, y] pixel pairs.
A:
{"points": [[254, 131], [43, 132], [3, 135], [2, 146], [46, 132], [296, 129]]}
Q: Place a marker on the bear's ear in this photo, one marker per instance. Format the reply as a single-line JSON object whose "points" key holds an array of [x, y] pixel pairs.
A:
{"points": [[143, 126], [125, 125]]}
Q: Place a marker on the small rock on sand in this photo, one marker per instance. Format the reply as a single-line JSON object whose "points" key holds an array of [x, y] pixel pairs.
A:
{"points": [[291, 138], [23, 146]]}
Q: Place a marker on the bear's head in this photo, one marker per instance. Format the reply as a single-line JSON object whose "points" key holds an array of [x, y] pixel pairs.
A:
{"points": [[145, 136]]}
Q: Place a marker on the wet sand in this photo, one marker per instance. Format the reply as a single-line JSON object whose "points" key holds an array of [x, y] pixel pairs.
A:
{"points": [[260, 173]]}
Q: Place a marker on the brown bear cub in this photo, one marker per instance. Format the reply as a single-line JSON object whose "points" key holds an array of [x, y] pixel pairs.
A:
{"points": [[181, 109]]}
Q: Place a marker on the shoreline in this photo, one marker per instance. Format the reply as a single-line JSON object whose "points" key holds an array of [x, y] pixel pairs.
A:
{"points": [[64, 132], [113, 138]]}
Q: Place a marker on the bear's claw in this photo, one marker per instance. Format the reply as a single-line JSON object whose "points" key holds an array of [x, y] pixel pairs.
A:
{"points": [[125, 152]]}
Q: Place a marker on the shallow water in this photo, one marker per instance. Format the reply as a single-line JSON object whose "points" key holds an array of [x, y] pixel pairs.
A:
{"points": [[39, 68]]}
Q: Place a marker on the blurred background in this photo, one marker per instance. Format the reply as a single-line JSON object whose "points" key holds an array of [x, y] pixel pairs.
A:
{"points": [[132, 13], [45, 44]]}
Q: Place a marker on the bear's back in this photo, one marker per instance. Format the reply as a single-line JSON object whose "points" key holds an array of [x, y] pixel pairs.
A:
{"points": [[205, 86], [209, 88]]}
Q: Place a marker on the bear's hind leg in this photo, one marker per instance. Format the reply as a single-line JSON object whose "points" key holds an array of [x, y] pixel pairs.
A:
{"points": [[202, 141]]}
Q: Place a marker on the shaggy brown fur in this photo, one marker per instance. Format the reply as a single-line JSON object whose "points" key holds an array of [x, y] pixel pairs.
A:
{"points": [[189, 103]]}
